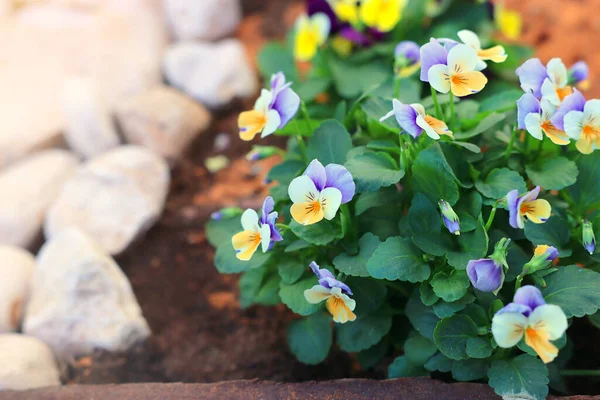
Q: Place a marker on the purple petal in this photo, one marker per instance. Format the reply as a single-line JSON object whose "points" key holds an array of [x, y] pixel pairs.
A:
{"points": [[485, 274], [316, 172], [407, 119], [330, 282], [355, 36], [527, 104], [579, 72], [532, 195], [432, 53], [531, 75], [515, 308], [453, 226], [275, 234], [267, 208], [322, 6], [573, 102], [286, 103], [315, 269], [340, 178], [529, 296], [321, 273], [409, 50], [277, 82], [512, 200]]}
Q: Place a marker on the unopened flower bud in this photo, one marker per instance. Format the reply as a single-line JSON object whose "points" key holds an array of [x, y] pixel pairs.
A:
{"points": [[450, 218]]}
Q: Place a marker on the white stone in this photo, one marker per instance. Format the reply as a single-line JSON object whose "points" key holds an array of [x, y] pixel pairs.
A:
{"points": [[26, 363], [163, 120], [16, 268], [89, 127], [28, 189], [117, 44], [81, 300], [115, 198], [212, 73], [202, 20]]}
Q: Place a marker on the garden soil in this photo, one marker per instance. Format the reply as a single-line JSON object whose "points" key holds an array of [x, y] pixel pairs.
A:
{"points": [[200, 334]]}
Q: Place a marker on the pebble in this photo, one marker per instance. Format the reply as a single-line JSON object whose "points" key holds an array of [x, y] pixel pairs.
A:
{"points": [[115, 198], [16, 268], [202, 20], [81, 300]]}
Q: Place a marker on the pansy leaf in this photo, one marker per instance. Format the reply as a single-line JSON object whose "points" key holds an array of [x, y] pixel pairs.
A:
{"points": [[377, 107], [433, 176], [486, 124], [553, 173], [368, 200], [292, 295], [370, 357], [357, 265], [402, 367], [398, 259], [330, 143], [586, 192], [381, 221], [473, 245], [274, 58], [249, 285], [428, 296], [422, 318], [291, 269], [423, 215], [221, 232], [286, 171], [351, 79], [227, 263], [371, 171], [268, 293], [523, 376], [437, 244], [501, 102], [499, 182], [310, 338], [470, 370], [444, 309], [320, 234], [479, 347], [554, 232], [364, 332], [450, 286], [451, 335], [439, 362], [574, 289], [418, 349], [369, 294]]}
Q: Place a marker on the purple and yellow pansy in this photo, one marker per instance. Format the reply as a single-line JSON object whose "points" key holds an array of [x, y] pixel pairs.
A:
{"points": [[459, 75], [536, 118], [549, 252], [584, 126], [319, 192], [495, 54], [335, 293], [257, 231], [527, 206], [529, 317], [407, 58], [413, 120]]}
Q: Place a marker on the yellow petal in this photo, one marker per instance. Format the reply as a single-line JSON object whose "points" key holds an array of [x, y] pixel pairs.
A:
{"points": [[496, 54], [245, 244], [306, 44], [340, 310], [467, 83], [584, 145], [307, 213], [251, 123], [382, 15], [440, 127], [541, 250], [554, 134], [537, 211], [538, 340]]}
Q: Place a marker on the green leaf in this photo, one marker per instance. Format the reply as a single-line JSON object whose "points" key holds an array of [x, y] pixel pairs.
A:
{"points": [[439, 362], [369, 294], [249, 285], [286, 171], [292, 295], [275, 57], [320, 234], [586, 192], [373, 170], [554, 232], [473, 148], [297, 245], [469, 370], [444, 309], [418, 349], [384, 145], [423, 216], [499, 182], [364, 332], [595, 319], [368, 200], [376, 107], [421, 317], [370, 357], [553, 173], [451, 335], [351, 80], [227, 263], [428, 296], [268, 294], [479, 347], [291, 269], [330, 143], [221, 232], [521, 376], [310, 338], [312, 87], [576, 290], [433, 176], [474, 245], [437, 244], [401, 367], [450, 286], [503, 101], [486, 124], [398, 259], [357, 265]]}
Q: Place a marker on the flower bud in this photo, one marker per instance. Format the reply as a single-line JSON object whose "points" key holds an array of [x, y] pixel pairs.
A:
{"points": [[549, 252], [588, 238], [228, 212], [579, 74], [450, 218], [261, 152], [487, 274]]}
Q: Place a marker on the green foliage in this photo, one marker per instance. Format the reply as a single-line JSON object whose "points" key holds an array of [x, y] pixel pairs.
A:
{"points": [[574, 289], [363, 333], [433, 176], [450, 286], [310, 338], [499, 182], [227, 263], [356, 265], [523, 375], [555, 232], [398, 259], [401, 367], [553, 173], [292, 295], [371, 171], [329, 144], [452, 334], [319, 234]]}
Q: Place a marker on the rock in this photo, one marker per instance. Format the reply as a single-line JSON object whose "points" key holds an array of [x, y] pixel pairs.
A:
{"points": [[117, 44], [81, 300], [16, 268], [212, 73], [89, 127], [115, 198], [202, 20], [28, 189], [163, 120], [26, 363]]}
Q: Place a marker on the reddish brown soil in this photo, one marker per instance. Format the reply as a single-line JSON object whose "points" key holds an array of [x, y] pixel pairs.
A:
{"points": [[199, 332]]}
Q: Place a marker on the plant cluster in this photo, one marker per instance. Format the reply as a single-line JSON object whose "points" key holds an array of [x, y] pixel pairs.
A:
{"points": [[426, 205]]}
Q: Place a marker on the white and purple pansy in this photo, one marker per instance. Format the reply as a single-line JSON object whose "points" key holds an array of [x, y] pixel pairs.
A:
{"points": [[319, 192], [579, 75], [413, 120], [336, 293], [536, 118], [257, 231], [433, 53], [573, 102], [584, 126], [408, 58], [459, 75], [285, 101], [495, 54], [530, 317], [555, 86], [487, 274], [527, 205], [269, 217], [532, 74]]}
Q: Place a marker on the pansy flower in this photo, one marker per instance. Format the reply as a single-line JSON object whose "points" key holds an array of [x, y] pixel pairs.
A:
{"points": [[433, 53], [459, 76], [555, 87], [451, 220], [536, 117], [319, 192], [285, 101], [532, 74], [413, 120], [382, 15], [311, 33], [549, 252], [584, 126], [527, 205], [579, 74], [495, 54], [269, 217], [529, 316], [345, 10], [339, 304], [573, 102], [254, 234], [263, 119], [408, 59], [487, 274]]}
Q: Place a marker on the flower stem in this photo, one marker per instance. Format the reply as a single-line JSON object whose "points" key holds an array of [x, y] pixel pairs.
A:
{"points": [[488, 224], [452, 116], [580, 372], [438, 111], [396, 87], [511, 142]]}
